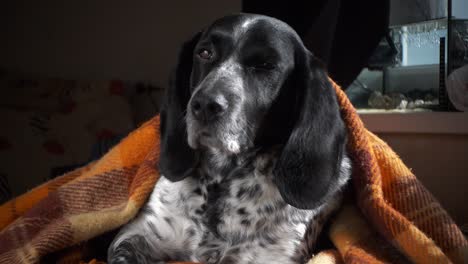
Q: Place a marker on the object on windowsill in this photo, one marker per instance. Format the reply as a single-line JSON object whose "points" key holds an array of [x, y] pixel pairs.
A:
{"points": [[380, 101], [400, 101], [457, 88]]}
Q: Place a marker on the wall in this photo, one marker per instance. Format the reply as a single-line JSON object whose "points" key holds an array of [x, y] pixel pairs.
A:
{"points": [[460, 9], [435, 146], [440, 161], [131, 40]]}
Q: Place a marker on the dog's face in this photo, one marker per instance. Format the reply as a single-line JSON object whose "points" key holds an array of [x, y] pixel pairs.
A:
{"points": [[239, 65], [248, 82]]}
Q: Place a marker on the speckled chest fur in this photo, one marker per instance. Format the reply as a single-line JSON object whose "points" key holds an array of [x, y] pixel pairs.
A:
{"points": [[230, 215]]}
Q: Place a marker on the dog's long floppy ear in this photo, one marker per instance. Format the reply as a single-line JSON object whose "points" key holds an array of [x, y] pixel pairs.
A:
{"points": [[177, 159], [308, 167]]}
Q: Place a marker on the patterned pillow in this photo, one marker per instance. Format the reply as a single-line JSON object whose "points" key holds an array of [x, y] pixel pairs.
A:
{"points": [[52, 125]]}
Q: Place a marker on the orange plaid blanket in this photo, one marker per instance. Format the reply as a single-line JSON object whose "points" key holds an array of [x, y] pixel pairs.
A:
{"points": [[392, 218]]}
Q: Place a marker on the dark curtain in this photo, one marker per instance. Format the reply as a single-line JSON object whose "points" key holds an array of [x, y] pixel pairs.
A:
{"points": [[343, 34]]}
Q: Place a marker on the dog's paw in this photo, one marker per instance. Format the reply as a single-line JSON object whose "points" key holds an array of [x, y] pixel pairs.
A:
{"points": [[119, 260], [124, 256], [134, 249]]}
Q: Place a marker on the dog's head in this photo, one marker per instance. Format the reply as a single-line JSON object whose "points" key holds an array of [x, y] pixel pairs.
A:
{"points": [[248, 82]]}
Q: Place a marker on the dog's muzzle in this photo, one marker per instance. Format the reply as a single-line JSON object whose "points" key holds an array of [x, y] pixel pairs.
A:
{"points": [[211, 122], [208, 107]]}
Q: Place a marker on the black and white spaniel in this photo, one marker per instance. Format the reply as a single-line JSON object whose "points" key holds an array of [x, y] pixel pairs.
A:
{"points": [[253, 156]]}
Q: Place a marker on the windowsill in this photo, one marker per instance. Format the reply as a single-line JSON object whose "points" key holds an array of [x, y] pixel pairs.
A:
{"points": [[415, 122]]}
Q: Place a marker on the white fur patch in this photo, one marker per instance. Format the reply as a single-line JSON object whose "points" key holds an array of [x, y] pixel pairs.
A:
{"points": [[232, 146]]}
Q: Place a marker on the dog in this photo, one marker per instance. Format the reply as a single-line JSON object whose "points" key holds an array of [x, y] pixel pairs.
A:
{"points": [[253, 158]]}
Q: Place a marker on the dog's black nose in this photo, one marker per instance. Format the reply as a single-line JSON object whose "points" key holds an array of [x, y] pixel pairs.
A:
{"points": [[208, 107]]}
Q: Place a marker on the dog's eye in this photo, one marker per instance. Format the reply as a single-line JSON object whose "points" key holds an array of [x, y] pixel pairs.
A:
{"points": [[264, 66], [205, 54]]}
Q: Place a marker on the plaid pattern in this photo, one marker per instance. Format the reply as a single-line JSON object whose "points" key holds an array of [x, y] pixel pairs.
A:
{"points": [[393, 217]]}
